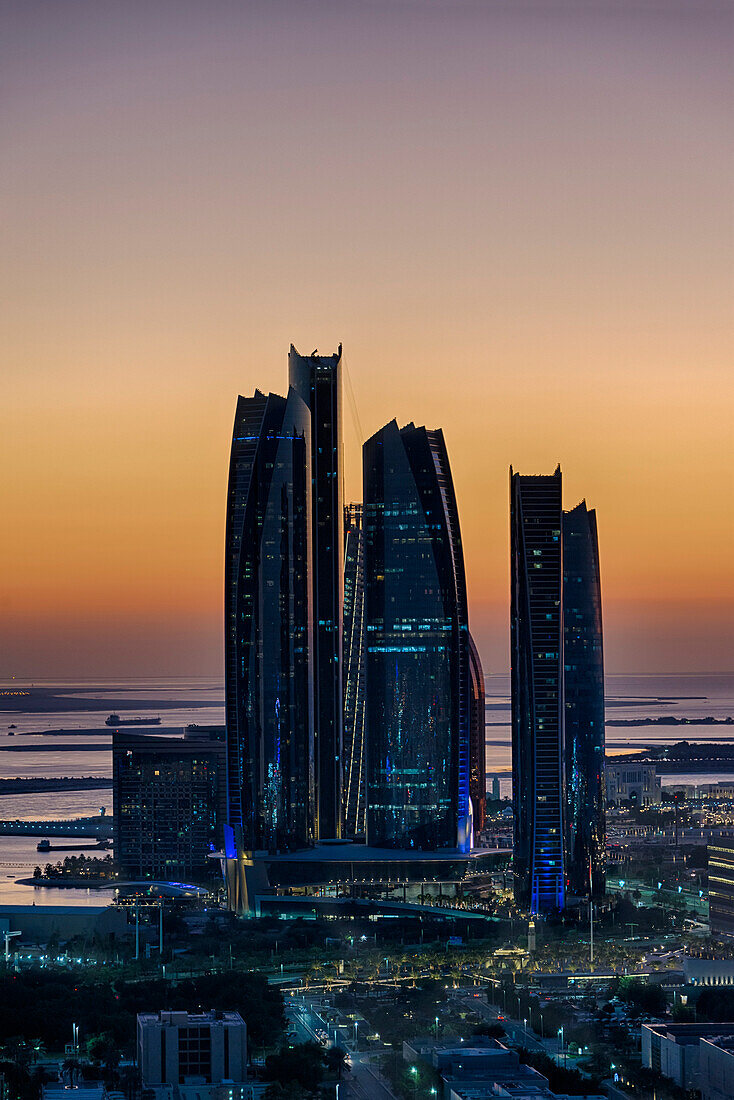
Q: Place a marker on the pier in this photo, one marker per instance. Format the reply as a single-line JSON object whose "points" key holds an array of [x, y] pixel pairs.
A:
{"points": [[99, 828]]}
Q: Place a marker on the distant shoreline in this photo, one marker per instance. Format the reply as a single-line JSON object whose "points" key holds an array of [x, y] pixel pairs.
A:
{"points": [[40, 785], [41, 701], [671, 720]]}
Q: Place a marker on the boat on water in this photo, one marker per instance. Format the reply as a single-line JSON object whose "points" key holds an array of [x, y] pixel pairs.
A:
{"points": [[43, 846], [115, 720]]}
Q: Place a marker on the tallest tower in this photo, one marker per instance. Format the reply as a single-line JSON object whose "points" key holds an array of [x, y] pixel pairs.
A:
{"points": [[317, 379]]}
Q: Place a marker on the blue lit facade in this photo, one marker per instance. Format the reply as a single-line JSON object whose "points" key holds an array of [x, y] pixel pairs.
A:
{"points": [[268, 623], [417, 641], [354, 651], [317, 379], [477, 739], [583, 663], [537, 691]]}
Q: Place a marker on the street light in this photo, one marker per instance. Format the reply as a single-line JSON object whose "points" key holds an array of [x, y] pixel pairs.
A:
{"points": [[561, 1050], [8, 936]]}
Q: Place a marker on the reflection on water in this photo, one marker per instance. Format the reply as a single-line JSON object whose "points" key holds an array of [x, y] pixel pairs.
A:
{"points": [[694, 696]]}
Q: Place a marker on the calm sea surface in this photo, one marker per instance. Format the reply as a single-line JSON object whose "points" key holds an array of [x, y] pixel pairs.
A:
{"points": [[184, 701]]}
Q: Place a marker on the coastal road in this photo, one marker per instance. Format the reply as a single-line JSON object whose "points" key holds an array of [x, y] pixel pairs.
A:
{"points": [[516, 1030], [363, 1081]]}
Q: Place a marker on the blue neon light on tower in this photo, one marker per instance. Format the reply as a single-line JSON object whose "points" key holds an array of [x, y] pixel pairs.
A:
{"points": [[538, 782]]}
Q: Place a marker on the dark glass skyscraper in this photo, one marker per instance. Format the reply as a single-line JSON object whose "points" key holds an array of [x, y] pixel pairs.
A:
{"points": [[417, 644], [354, 673], [583, 664], [317, 379], [268, 607], [168, 798], [557, 697], [477, 745], [537, 690]]}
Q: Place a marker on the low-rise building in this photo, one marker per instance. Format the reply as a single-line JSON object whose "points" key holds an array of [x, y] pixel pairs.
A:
{"points": [[193, 1056], [638, 783], [716, 1068], [721, 884], [675, 1050], [700, 970], [482, 1069], [89, 1090], [696, 792]]}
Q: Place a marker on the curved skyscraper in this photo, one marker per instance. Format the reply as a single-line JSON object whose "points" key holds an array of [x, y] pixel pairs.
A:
{"points": [[477, 741], [417, 637], [583, 663], [269, 704], [537, 691], [317, 379]]}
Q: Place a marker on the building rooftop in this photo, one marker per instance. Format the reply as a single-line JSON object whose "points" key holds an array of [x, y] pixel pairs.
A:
{"points": [[181, 1018], [724, 1041], [686, 1034], [78, 1092], [346, 851]]}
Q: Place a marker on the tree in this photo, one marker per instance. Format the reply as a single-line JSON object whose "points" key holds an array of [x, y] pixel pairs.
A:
{"points": [[643, 996], [336, 1061], [491, 1031], [302, 1065], [715, 1004], [276, 1090], [18, 1051], [103, 1050]]}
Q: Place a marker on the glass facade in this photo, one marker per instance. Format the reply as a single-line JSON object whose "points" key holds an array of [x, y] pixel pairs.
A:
{"points": [[583, 664], [721, 885], [268, 608], [477, 739], [417, 641], [168, 805], [537, 691], [317, 379], [354, 673]]}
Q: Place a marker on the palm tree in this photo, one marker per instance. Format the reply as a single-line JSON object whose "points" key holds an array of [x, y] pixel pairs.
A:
{"points": [[336, 1061], [70, 1070], [18, 1051], [39, 1050]]}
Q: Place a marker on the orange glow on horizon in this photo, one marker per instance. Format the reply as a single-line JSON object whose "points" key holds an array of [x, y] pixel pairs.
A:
{"points": [[528, 244]]}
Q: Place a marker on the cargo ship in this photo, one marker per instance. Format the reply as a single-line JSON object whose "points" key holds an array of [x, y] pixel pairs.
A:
{"points": [[115, 720]]}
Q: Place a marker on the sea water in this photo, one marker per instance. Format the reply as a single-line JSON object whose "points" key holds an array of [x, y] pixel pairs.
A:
{"points": [[180, 702]]}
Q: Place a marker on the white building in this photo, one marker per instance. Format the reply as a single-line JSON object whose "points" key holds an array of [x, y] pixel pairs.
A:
{"points": [[693, 1056], [701, 971], [632, 782], [716, 1068], [193, 1056]]}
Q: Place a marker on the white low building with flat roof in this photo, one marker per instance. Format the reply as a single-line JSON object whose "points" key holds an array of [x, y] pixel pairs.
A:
{"points": [[193, 1056]]}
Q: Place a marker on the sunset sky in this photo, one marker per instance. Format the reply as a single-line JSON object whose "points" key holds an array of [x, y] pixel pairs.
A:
{"points": [[517, 217]]}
